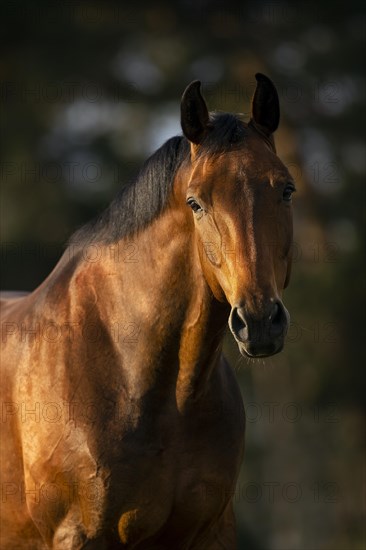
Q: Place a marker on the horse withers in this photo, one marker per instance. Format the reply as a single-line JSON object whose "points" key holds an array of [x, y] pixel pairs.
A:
{"points": [[122, 423]]}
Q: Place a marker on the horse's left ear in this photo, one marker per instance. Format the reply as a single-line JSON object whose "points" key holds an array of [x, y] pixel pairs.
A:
{"points": [[265, 105], [194, 113]]}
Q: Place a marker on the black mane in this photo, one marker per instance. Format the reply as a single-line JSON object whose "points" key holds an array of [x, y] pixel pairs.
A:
{"points": [[144, 199]]}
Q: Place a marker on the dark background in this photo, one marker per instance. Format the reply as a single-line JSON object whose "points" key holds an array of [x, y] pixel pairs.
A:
{"points": [[89, 90]]}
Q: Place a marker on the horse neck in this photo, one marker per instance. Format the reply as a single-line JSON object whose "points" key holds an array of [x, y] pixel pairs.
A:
{"points": [[153, 281]]}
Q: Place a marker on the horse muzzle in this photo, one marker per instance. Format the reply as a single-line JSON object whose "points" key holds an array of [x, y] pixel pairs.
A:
{"points": [[260, 335]]}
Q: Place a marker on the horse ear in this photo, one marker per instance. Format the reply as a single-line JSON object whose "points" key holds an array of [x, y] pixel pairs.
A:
{"points": [[265, 105], [194, 114]]}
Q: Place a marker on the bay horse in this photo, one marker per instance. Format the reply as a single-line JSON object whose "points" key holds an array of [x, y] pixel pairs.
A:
{"points": [[122, 423]]}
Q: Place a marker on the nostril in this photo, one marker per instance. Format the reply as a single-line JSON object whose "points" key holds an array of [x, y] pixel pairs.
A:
{"points": [[240, 314], [237, 321], [238, 325], [278, 319]]}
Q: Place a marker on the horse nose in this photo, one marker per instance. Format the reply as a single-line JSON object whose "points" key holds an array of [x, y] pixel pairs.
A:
{"points": [[260, 335]]}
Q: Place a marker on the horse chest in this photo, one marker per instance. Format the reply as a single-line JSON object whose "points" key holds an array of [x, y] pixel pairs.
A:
{"points": [[178, 475], [170, 473]]}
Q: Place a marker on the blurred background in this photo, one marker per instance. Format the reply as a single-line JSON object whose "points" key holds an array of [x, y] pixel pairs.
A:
{"points": [[89, 90]]}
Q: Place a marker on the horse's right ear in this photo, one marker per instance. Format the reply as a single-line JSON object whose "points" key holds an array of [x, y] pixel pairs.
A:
{"points": [[194, 116], [265, 105]]}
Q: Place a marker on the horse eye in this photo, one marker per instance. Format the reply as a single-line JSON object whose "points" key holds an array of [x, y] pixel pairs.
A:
{"points": [[287, 193], [194, 205]]}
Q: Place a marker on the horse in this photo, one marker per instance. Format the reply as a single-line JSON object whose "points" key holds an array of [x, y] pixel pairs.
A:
{"points": [[123, 424]]}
